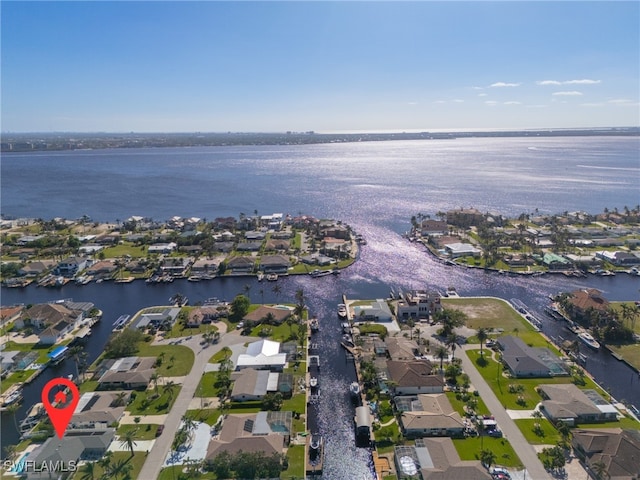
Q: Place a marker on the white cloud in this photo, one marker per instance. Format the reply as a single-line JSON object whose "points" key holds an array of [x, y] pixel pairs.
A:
{"points": [[592, 105], [513, 103], [477, 88], [412, 103], [503, 84], [584, 81], [457, 100], [622, 102], [483, 94], [572, 93], [439, 101], [491, 103]]}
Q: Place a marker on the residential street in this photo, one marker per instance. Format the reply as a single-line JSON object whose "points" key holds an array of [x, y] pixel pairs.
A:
{"points": [[526, 452], [158, 454]]}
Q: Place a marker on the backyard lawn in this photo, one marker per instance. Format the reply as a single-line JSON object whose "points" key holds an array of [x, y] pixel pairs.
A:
{"points": [[177, 360]]}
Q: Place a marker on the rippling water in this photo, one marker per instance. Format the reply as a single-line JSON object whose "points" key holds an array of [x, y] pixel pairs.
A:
{"points": [[375, 187]]}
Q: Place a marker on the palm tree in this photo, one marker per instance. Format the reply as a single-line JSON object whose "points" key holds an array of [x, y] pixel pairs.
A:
{"points": [[600, 469], [154, 378], [482, 336], [488, 458], [10, 451], [452, 342], [442, 353], [168, 389], [88, 471], [128, 439], [189, 424], [119, 400]]}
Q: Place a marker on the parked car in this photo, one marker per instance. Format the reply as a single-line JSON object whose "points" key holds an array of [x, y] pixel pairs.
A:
{"points": [[160, 430]]}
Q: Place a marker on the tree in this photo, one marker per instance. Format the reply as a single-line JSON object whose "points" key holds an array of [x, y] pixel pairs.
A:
{"points": [[168, 389], [189, 424], [154, 378], [488, 458], [482, 337], [600, 469], [442, 353], [128, 439], [452, 342], [239, 308], [89, 471], [125, 344]]}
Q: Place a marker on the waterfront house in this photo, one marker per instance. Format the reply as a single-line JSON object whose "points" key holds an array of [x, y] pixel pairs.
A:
{"points": [[176, 266], [583, 300], [70, 266], [55, 333], [206, 266], [262, 355], [376, 311], [436, 459], [429, 416], [35, 268], [556, 262], [104, 268], [273, 221], [465, 217], [418, 304], [157, 316], [274, 264], [413, 377], [618, 258], [617, 449], [459, 249], [317, 259], [569, 404], [525, 361], [260, 314], [267, 432], [252, 385], [76, 445], [433, 227], [128, 373], [240, 265]]}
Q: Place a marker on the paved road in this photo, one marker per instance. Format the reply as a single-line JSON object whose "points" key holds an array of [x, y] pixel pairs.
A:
{"points": [[526, 452], [158, 454]]}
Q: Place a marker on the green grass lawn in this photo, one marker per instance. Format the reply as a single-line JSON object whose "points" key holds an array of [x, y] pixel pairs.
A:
{"points": [[458, 405], [207, 415], [278, 333], [492, 372], [144, 431], [490, 313], [630, 353], [158, 403], [179, 330], [136, 462], [295, 455], [183, 358], [469, 449], [218, 357], [296, 403], [124, 249], [548, 434], [206, 387]]}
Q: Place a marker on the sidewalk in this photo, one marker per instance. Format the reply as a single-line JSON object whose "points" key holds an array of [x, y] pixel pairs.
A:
{"points": [[526, 452]]}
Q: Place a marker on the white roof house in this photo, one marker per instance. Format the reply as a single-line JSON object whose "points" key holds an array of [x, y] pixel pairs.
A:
{"points": [[264, 355], [456, 250]]}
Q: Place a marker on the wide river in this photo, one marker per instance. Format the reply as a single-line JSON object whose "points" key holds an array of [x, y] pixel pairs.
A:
{"points": [[375, 187]]}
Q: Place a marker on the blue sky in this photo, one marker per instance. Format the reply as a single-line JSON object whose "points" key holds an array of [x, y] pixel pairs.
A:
{"points": [[323, 66]]}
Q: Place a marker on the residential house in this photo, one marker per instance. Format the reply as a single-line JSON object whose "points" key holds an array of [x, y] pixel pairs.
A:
{"points": [[251, 385], [413, 377], [556, 262], [206, 266], [274, 264], [162, 248], [431, 416], [569, 404], [418, 304], [465, 217], [260, 314], [525, 361], [156, 316], [317, 259], [98, 410], [617, 449], [376, 311], [618, 258], [240, 265], [75, 446], [254, 246], [263, 355], [129, 373], [457, 250], [35, 268], [433, 227], [436, 459], [176, 266], [336, 231], [70, 266], [276, 245], [273, 221], [253, 235], [586, 299], [267, 432], [103, 268], [401, 348]]}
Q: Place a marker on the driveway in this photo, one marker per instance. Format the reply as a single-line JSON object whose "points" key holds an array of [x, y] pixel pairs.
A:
{"points": [[526, 452], [162, 446]]}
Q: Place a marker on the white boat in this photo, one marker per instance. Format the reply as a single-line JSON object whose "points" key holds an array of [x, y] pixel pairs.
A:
{"points": [[313, 382], [13, 397], [342, 310], [354, 389], [194, 278], [320, 273], [272, 277], [588, 340], [260, 276], [313, 323]]}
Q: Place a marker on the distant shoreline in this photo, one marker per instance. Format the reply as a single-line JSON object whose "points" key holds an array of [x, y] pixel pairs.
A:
{"points": [[65, 141]]}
